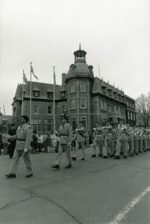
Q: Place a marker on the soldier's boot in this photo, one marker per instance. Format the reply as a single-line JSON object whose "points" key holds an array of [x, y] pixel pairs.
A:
{"points": [[94, 152]]}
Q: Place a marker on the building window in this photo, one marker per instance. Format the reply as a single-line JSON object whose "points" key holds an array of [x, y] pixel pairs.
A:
{"points": [[63, 109], [115, 95], [82, 87], [104, 89], [49, 109], [74, 124], [109, 92], [35, 109], [73, 104], [73, 88], [128, 115], [109, 107], [36, 93], [83, 119], [102, 105], [63, 94], [83, 103], [50, 95]]}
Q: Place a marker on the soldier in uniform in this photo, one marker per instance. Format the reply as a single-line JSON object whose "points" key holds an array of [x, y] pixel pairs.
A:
{"points": [[98, 140], [122, 141], [140, 139], [109, 142], [80, 141], [136, 141], [65, 133], [144, 140], [131, 140], [23, 146], [148, 139]]}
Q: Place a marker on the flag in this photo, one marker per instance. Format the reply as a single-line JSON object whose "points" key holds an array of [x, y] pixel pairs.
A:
{"points": [[24, 78], [54, 76], [32, 71]]}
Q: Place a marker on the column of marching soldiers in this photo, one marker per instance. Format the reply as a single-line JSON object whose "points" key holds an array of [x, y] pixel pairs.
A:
{"points": [[109, 141]]}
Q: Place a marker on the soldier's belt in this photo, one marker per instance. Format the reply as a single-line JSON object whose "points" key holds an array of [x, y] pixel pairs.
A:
{"points": [[20, 139]]}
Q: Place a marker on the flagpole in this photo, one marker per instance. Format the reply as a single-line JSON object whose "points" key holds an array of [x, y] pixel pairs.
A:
{"points": [[30, 93], [22, 96], [54, 91], [99, 70]]}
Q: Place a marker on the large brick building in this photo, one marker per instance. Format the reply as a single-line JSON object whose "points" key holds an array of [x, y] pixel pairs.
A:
{"points": [[82, 97]]}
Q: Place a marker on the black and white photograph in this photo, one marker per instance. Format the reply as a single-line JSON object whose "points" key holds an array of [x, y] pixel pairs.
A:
{"points": [[74, 112]]}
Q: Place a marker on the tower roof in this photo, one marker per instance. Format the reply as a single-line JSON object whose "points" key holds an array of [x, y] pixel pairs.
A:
{"points": [[80, 68], [80, 55]]}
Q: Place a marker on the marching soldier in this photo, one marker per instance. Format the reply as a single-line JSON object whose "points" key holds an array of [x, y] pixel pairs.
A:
{"points": [[140, 137], [22, 149], [122, 142], [80, 141], [109, 142], [144, 140], [131, 140], [148, 139], [98, 141], [65, 133], [136, 141]]}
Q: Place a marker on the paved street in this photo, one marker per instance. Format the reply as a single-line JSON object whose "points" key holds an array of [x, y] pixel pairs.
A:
{"points": [[95, 191]]}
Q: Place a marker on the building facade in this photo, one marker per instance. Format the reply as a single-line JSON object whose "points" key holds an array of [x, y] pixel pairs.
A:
{"points": [[81, 97]]}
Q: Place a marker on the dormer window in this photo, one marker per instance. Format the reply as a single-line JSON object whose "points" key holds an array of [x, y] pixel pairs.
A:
{"points": [[109, 92], [115, 95], [50, 95], [104, 89], [36, 93]]}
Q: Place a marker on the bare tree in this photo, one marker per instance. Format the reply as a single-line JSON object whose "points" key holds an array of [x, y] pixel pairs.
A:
{"points": [[143, 109]]}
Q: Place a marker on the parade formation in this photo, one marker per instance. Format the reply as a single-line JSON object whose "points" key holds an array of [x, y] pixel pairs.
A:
{"points": [[110, 141]]}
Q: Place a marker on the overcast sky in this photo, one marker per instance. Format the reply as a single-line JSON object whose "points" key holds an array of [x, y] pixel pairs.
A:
{"points": [[114, 33]]}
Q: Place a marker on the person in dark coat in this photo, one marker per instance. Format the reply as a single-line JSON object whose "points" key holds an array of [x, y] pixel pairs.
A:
{"points": [[12, 141], [1, 144]]}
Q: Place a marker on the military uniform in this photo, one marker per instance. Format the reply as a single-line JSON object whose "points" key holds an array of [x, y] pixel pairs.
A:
{"points": [[122, 143], [80, 142], [148, 140], [144, 141], [23, 141], [109, 142], [65, 133], [131, 141], [98, 141], [140, 140]]}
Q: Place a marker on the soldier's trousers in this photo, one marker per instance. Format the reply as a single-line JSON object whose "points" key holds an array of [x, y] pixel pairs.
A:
{"points": [[109, 147], [63, 148], [78, 144], [148, 143], [145, 144], [99, 145], [122, 145], [15, 160], [140, 141], [131, 147]]}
